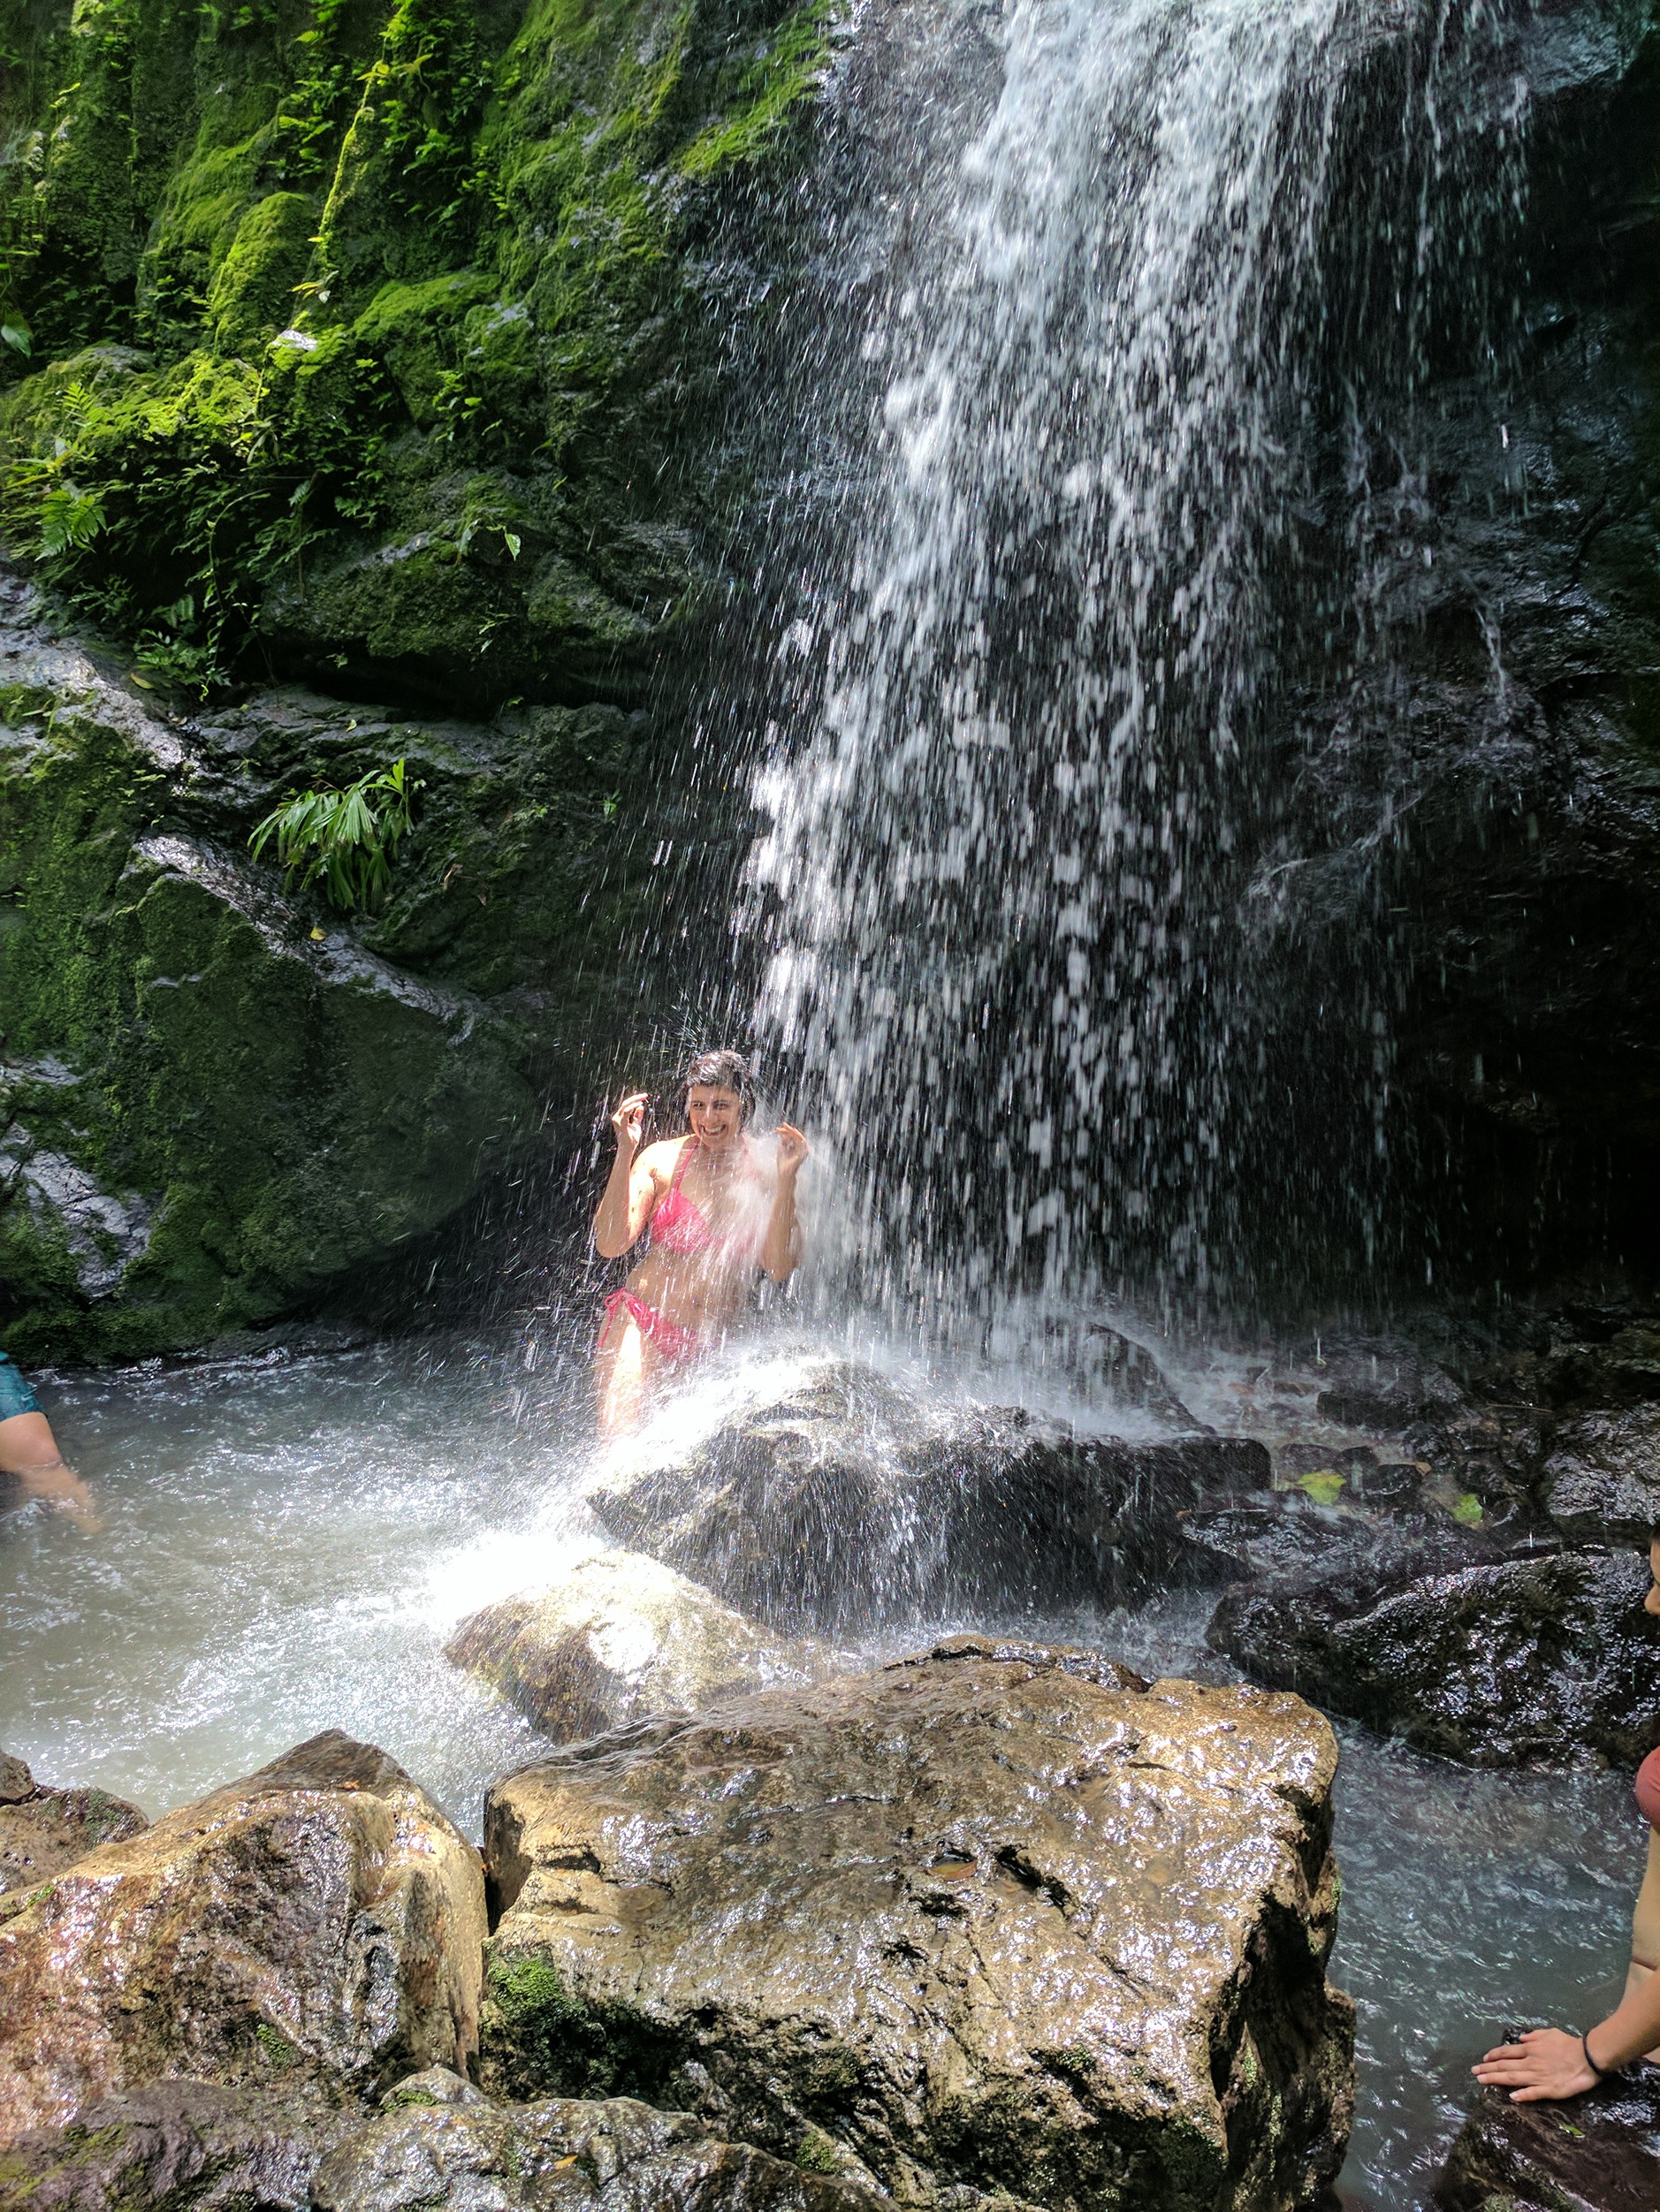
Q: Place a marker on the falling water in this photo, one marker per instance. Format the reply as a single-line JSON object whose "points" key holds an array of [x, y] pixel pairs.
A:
{"points": [[1014, 828]]}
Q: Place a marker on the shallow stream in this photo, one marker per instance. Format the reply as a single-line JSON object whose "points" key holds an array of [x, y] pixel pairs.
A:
{"points": [[288, 1541]]}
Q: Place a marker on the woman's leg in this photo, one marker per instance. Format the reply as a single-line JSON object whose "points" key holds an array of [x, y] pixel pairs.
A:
{"points": [[29, 1450], [624, 1363]]}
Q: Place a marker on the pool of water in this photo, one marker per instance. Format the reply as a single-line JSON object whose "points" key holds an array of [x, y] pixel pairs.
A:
{"points": [[287, 1542]]}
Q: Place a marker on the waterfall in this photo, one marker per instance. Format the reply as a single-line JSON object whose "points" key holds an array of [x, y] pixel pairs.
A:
{"points": [[1013, 820]]}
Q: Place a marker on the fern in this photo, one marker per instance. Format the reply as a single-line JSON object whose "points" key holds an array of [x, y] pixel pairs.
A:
{"points": [[346, 840]]}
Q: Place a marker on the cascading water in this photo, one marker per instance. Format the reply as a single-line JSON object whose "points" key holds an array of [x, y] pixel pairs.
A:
{"points": [[1016, 828]]}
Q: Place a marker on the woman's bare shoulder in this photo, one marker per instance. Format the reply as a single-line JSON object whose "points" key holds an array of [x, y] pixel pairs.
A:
{"points": [[659, 1160]]}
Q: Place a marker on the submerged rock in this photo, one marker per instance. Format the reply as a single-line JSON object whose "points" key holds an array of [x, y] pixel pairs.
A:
{"points": [[320, 1920], [43, 1830], [1545, 1659], [997, 1921], [841, 1498], [1598, 2153], [616, 1636], [615, 2156]]}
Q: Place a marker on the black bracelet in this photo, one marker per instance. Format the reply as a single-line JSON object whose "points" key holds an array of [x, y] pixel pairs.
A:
{"points": [[1602, 2072]]}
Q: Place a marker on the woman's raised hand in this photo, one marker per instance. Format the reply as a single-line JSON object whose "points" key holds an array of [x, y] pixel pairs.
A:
{"points": [[628, 1121], [792, 1148]]}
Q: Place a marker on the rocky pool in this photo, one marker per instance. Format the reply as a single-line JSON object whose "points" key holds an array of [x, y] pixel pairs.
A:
{"points": [[289, 1540]]}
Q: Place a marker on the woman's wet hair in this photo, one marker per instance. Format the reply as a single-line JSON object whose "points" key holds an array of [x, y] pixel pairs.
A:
{"points": [[722, 1070]]}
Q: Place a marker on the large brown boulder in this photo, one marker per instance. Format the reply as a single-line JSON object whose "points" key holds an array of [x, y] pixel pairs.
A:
{"points": [[617, 1637], [321, 1921], [998, 1921], [43, 1830]]}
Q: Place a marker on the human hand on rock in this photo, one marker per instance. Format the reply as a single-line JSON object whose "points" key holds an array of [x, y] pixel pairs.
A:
{"points": [[628, 1121], [792, 1148], [1544, 2063]]}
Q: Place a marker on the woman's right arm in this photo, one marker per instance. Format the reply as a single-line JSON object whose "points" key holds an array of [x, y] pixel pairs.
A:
{"points": [[631, 1189]]}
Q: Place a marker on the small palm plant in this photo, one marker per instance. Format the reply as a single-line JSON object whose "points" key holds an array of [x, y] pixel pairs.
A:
{"points": [[344, 839]]}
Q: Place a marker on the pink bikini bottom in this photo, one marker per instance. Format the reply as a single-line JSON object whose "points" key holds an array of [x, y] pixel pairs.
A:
{"points": [[673, 1342]]}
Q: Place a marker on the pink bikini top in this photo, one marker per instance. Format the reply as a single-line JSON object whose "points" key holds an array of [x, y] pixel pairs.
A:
{"points": [[678, 1224], [1648, 1790]]}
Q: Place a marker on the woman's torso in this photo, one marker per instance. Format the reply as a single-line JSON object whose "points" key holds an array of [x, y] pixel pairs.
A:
{"points": [[706, 1229]]}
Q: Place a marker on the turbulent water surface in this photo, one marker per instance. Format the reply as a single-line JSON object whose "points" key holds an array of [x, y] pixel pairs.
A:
{"points": [[287, 1544]]}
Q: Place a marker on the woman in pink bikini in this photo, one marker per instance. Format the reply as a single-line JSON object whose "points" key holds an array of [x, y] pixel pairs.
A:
{"points": [[1549, 2062], [716, 1211]]}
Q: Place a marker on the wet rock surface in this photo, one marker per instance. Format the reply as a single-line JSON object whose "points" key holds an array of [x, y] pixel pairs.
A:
{"points": [[611, 2156], [995, 1919], [1599, 2153], [841, 1498], [320, 1921], [1602, 1481], [43, 1830], [1547, 1659], [617, 1637], [172, 2144]]}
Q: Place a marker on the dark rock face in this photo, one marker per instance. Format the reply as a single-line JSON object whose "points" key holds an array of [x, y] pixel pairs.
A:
{"points": [[1547, 1660], [841, 1499], [1599, 2153], [1603, 1478], [615, 2156], [617, 1638], [320, 1921], [997, 1919], [43, 1830]]}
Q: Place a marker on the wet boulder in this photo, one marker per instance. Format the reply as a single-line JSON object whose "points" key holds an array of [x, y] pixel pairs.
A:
{"points": [[1603, 1479], [566, 2155], [1598, 2153], [839, 1499], [174, 2144], [1288, 1537], [320, 1921], [1544, 1660], [998, 1921], [616, 1636], [43, 1830]]}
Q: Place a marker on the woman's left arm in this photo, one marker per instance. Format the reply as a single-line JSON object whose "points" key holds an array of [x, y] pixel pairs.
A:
{"points": [[1547, 2063], [781, 1247]]}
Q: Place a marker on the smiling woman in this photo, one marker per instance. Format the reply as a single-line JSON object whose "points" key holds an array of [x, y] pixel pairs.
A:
{"points": [[1549, 2063], [715, 1211]]}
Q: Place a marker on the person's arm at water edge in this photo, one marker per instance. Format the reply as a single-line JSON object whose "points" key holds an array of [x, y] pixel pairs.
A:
{"points": [[781, 1247], [1549, 2063]]}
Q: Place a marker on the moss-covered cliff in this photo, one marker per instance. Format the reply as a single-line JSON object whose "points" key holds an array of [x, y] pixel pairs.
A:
{"points": [[367, 345], [372, 331]]}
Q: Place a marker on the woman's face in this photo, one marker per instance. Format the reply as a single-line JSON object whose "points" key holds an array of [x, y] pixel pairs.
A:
{"points": [[1651, 1603], [715, 1114]]}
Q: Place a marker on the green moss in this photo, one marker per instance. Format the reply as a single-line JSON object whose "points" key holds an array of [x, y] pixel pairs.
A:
{"points": [[1467, 1509], [815, 2153], [538, 2037], [278, 2052], [481, 243], [1325, 1487]]}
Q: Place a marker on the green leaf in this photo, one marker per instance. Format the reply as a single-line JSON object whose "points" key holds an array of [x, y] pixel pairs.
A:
{"points": [[16, 334]]}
